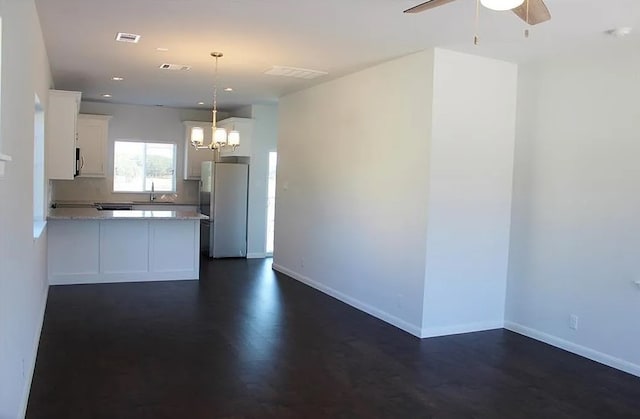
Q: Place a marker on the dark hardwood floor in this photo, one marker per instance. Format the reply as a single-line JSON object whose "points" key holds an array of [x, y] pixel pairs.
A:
{"points": [[246, 342]]}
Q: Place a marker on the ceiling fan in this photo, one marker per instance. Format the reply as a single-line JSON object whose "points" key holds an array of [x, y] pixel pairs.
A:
{"points": [[531, 11]]}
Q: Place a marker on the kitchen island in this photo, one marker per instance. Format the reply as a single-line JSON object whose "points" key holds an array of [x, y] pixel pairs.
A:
{"points": [[88, 246]]}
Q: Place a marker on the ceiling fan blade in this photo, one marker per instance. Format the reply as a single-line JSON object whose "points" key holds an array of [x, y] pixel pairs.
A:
{"points": [[429, 4], [538, 12]]}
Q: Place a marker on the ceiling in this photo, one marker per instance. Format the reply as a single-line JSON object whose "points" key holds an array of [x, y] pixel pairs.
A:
{"points": [[336, 36]]}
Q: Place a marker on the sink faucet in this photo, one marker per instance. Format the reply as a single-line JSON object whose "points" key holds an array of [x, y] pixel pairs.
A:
{"points": [[152, 195]]}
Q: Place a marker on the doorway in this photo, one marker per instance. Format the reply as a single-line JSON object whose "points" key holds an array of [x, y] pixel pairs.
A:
{"points": [[271, 201]]}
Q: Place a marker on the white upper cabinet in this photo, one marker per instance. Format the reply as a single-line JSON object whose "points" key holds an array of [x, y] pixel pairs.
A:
{"points": [[193, 158], [61, 134], [93, 132], [245, 127]]}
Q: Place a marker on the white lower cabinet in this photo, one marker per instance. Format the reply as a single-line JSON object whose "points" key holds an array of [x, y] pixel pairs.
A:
{"points": [[172, 249], [124, 247], [74, 249], [95, 251]]}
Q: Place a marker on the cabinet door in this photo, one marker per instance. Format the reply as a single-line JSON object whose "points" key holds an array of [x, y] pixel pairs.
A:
{"points": [[92, 140], [74, 249], [61, 133], [245, 127], [193, 157]]}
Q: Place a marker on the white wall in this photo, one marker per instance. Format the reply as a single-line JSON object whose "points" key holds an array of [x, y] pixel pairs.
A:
{"points": [[265, 138], [23, 287], [470, 184], [351, 206], [146, 123], [576, 231]]}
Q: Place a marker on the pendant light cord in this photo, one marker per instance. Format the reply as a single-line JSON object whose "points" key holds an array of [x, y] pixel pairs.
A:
{"points": [[215, 94]]}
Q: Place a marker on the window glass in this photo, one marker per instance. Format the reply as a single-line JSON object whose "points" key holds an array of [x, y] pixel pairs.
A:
{"points": [[143, 167]]}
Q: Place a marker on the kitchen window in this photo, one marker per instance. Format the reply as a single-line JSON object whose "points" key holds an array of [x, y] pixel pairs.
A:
{"points": [[144, 167]]}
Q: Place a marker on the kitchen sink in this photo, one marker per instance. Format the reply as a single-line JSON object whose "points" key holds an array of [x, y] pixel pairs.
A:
{"points": [[111, 206]]}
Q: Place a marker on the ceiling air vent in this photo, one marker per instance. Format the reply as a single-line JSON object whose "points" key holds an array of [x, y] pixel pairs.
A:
{"points": [[175, 67], [128, 37], [299, 73]]}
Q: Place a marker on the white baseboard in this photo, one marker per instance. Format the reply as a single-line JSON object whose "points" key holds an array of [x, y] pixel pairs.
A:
{"points": [[112, 278], [256, 255], [32, 363], [431, 332], [589, 353], [382, 315]]}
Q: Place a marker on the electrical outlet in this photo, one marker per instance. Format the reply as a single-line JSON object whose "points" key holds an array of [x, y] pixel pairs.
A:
{"points": [[23, 371], [573, 322]]}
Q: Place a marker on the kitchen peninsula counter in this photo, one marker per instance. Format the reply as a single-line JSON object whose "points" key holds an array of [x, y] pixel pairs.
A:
{"points": [[94, 214], [90, 246]]}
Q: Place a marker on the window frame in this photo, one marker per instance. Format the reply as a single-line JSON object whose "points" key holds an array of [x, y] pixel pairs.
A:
{"points": [[3, 157], [146, 142], [39, 190]]}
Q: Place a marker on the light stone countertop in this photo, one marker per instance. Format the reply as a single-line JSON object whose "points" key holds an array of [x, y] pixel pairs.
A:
{"points": [[94, 214], [81, 204]]}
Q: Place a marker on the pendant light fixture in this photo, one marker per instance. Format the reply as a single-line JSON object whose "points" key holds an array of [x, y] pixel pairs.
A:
{"points": [[220, 138]]}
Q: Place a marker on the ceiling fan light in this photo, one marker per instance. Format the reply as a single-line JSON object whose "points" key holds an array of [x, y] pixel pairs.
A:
{"points": [[501, 5]]}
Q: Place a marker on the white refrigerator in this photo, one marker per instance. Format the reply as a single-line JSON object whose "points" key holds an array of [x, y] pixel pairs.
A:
{"points": [[224, 197]]}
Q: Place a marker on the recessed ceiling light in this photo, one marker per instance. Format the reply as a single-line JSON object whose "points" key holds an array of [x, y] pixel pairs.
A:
{"points": [[128, 37], [200, 103], [106, 95], [228, 89], [620, 32], [161, 49], [116, 78]]}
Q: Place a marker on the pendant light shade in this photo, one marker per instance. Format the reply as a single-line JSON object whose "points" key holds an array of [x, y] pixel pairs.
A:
{"points": [[501, 5], [233, 139], [220, 136], [197, 136]]}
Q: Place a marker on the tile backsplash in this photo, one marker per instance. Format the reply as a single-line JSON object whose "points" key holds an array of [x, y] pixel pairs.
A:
{"points": [[100, 190]]}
